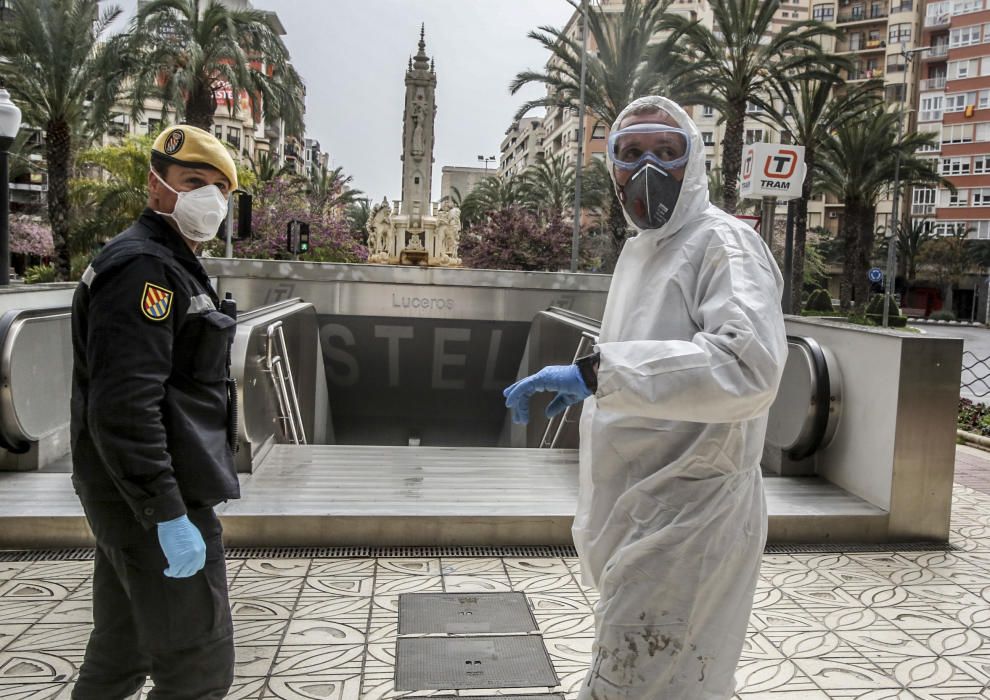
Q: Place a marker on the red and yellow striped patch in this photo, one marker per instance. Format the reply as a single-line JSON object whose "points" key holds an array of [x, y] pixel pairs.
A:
{"points": [[156, 302]]}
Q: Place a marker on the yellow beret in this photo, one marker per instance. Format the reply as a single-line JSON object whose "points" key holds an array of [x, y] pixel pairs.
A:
{"points": [[191, 146]]}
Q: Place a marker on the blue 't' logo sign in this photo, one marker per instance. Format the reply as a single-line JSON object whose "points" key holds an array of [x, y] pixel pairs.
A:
{"points": [[876, 274]]}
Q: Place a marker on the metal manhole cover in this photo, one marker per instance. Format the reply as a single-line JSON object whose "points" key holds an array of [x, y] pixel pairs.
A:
{"points": [[465, 613], [458, 663]]}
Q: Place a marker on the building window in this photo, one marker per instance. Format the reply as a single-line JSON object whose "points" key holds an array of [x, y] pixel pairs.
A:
{"points": [[962, 7], [234, 136], [416, 180], [823, 12], [154, 126], [959, 198], [981, 165], [118, 125], [958, 101], [963, 69], [955, 166], [754, 135], [753, 109], [708, 138], [964, 36], [899, 33], [957, 133], [931, 108], [984, 100], [981, 197], [708, 111], [708, 166], [979, 229], [982, 132], [598, 132], [218, 132]]}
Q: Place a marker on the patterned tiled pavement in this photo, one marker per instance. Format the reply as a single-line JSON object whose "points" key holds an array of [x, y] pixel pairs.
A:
{"points": [[869, 626]]}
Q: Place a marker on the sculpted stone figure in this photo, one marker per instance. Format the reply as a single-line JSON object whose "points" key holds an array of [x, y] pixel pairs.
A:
{"points": [[379, 228]]}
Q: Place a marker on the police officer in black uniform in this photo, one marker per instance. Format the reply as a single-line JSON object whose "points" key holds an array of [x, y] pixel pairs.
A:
{"points": [[151, 452]]}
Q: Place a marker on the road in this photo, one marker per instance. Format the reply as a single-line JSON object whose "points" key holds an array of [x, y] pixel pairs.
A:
{"points": [[976, 340]]}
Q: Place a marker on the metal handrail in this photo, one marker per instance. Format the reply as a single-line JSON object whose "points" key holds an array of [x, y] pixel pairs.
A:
{"points": [[588, 340], [277, 362]]}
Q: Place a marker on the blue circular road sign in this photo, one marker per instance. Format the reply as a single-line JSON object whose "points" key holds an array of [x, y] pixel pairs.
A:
{"points": [[876, 274]]}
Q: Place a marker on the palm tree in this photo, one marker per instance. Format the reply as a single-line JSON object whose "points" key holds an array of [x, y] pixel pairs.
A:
{"points": [[195, 50], [739, 57], [357, 214], [266, 168], [492, 194], [911, 236], [65, 75], [330, 189], [857, 166], [630, 62], [116, 193], [810, 110], [549, 185]]}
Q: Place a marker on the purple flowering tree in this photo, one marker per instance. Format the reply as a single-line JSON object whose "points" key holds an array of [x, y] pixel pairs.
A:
{"points": [[31, 236], [514, 239], [278, 202]]}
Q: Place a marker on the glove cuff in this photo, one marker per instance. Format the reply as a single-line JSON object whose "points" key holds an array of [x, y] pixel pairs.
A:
{"points": [[588, 367]]}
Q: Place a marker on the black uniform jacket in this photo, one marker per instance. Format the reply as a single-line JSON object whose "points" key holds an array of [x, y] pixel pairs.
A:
{"points": [[150, 394]]}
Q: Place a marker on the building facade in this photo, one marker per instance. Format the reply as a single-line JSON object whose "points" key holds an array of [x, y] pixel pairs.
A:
{"points": [[459, 181]]}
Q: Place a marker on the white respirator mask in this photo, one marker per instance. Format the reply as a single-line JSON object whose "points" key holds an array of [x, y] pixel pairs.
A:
{"points": [[198, 213]]}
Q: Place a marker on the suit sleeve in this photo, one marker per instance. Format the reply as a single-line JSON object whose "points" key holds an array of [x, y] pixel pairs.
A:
{"points": [[133, 313], [729, 370]]}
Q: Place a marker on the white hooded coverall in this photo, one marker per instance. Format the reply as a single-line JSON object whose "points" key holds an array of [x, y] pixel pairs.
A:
{"points": [[671, 519]]}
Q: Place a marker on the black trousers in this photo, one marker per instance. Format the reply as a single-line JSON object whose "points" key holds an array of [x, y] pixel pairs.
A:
{"points": [[177, 631]]}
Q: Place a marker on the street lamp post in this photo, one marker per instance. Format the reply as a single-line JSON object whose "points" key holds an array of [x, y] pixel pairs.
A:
{"points": [[10, 122], [486, 160], [888, 282]]}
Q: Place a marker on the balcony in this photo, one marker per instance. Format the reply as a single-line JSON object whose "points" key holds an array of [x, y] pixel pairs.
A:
{"points": [[936, 83], [936, 51], [868, 74], [857, 46], [939, 20], [922, 209], [861, 16]]}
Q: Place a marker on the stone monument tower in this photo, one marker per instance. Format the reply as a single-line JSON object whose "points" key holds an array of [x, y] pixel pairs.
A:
{"points": [[417, 134], [416, 230]]}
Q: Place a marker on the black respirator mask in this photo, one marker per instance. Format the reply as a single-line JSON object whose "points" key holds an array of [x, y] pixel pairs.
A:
{"points": [[650, 196]]}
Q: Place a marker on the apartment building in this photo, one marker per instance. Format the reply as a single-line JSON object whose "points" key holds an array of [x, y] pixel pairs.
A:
{"points": [[521, 147], [955, 104]]}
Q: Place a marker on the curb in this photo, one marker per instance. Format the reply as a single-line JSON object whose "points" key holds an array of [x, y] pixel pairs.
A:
{"points": [[973, 439], [925, 321]]}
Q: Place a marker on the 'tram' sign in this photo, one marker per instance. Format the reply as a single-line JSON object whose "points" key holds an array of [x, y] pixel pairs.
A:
{"points": [[772, 170]]}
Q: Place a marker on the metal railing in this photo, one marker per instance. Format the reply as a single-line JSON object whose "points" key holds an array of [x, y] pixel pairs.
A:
{"points": [[556, 424], [937, 83], [975, 376], [277, 364]]}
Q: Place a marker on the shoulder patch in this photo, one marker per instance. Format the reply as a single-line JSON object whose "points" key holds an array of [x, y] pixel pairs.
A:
{"points": [[156, 302]]}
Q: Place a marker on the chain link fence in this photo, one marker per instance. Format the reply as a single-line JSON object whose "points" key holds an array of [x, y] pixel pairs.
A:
{"points": [[975, 380]]}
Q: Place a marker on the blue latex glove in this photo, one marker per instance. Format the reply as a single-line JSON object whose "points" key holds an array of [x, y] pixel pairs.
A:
{"points": [[566, 380], [183, 545]]}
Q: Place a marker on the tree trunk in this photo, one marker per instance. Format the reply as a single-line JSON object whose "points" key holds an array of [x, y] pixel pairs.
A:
{"points": [[864, 220], [201, 105], [58, 151], [732, 145], [618, 229], [850, 241]]}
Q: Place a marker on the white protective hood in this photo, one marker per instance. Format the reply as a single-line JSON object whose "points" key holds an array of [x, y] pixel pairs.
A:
{"points": [[694, 189], [671, 517]]}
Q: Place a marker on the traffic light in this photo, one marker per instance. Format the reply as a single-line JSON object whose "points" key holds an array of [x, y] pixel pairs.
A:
{"points": [[297, 237], [243, 215]]}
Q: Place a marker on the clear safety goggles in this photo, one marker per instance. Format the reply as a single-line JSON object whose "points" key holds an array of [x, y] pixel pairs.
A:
{"points": [[666, 146]]}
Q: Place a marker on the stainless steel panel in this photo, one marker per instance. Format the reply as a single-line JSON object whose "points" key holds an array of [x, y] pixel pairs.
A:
{"points": [[36, 369], [465, 613], [259, 424]]}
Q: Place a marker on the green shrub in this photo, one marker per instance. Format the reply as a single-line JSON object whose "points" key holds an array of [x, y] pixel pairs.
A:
{"points": [[892, 321], [943, 316], [974, 417], [876, 306], [37, 274], [819, 300]]}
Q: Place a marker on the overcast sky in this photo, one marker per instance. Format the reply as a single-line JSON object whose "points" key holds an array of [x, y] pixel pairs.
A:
{"points": [[353, 57]]}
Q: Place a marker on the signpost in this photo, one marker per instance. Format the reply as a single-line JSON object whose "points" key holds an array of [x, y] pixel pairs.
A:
{"points": [[775, 170]]}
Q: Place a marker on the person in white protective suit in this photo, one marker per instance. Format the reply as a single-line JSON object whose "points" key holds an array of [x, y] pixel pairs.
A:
{"points": [[671, 518]]}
